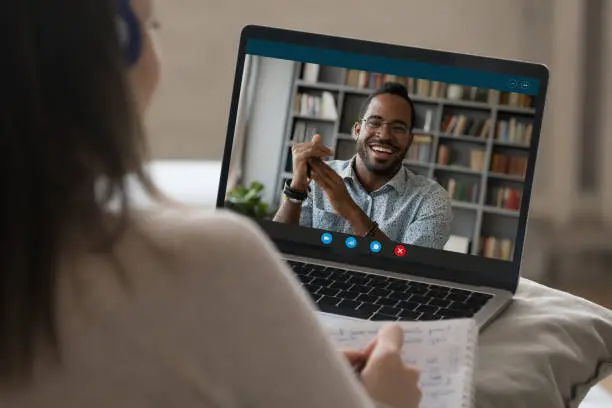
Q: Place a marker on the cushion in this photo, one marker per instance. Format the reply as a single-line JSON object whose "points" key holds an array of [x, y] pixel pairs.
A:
{"points": [[546, 350]]}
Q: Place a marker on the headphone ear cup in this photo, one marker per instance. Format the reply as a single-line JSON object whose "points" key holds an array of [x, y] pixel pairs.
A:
{"points": [[128, 29]]}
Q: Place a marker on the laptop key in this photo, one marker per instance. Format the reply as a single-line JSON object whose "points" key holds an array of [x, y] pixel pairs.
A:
{"points": [[399, 286], [328, 300], [419, 299], [349, 304], [321, 282], [368, 308], [362, 288], [408, 305], [480, 298], [427, 308], [305, 278], [440, 302], [302, 272], [458, 297], [317, 273], [418, 290], [409, 315], [312, 288], [398, 296], [349, 294], [379, 284], [359, 281], [388, 310], [461, 292], [378, 278], [380, 292], [367, 298], [437, 293], [341, 285], [440, 288], [328, 291], [386, 302], [339, 276]]}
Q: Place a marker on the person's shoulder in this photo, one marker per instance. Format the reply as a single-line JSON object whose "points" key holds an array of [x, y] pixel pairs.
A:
{"points": [[194, 233]]}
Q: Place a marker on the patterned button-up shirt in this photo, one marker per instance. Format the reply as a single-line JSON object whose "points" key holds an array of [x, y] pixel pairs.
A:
{"points": [[409, 208]]}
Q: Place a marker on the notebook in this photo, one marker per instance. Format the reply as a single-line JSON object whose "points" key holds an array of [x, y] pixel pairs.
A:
{"points": [[444, 351]]}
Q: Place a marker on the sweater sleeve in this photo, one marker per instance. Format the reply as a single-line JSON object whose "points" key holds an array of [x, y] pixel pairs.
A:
{"points": [[267, 331]]}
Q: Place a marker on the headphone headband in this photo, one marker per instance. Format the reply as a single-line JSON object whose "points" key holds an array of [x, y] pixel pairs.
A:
{"points": [[128, 28]]}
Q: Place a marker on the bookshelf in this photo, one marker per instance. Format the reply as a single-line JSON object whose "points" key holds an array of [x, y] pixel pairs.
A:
{"points": [[474, 142]]}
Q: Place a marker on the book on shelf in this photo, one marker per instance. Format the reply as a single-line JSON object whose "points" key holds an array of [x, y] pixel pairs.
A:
{"points": [[506, 198], [462, 191], [446, 158], [374, 80], [311, 73], [370, 80], [444, 155], [420, 151], [477, 158], [495, 247], [461, 125], [509, 164], [303, 131], [516, 100], [322, 106], [513, 131], [428, 120]]}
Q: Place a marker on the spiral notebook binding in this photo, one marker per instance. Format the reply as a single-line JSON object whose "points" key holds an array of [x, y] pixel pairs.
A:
{"points": [[469, 391]]}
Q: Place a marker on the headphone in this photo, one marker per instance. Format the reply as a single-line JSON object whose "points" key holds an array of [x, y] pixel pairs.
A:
{"points": [[128, 28]]}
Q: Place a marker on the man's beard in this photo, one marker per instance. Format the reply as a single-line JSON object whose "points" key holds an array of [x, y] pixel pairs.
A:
{"points": [[389, 169]]}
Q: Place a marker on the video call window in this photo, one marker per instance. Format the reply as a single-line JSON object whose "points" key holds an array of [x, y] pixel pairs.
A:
{"points": [[442, 169]]}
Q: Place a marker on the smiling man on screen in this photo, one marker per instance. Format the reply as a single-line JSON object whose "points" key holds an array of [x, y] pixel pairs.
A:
{"points": [[373, 194]]}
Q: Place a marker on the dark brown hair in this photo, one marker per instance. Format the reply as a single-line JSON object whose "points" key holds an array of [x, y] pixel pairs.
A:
{"points": [[67, 119], [391, 88]]}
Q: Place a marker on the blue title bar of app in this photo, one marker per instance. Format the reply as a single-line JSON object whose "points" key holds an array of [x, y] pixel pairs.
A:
{"points": [[393, 66]]}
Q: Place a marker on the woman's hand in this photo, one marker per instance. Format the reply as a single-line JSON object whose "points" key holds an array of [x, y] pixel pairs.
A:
{"points": [[385, 376]]}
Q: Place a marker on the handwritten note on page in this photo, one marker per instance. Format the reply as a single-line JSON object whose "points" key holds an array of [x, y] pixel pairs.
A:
{"points": [[443, 351]]}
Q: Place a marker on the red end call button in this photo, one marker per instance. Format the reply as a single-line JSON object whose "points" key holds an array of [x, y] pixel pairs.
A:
{"points": [[400, 250]]}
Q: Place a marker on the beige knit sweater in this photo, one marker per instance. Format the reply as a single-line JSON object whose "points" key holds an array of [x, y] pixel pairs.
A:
{"points": [[202, 313]]}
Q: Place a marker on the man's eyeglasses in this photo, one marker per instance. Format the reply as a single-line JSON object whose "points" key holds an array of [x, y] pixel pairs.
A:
{"points": [[397, 129]]}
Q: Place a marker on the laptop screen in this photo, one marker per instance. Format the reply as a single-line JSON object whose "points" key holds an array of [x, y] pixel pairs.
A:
{"points": [[381, 156]]}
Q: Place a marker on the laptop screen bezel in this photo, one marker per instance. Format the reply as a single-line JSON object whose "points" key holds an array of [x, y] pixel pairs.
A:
{"points": [[426, 262]]}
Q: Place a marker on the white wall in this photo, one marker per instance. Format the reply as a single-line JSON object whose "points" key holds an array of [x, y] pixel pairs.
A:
{"points": [[266, 129], [606, 126]]}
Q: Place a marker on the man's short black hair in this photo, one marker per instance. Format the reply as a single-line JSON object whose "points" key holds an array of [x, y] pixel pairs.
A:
{"points": [[392, 88]]}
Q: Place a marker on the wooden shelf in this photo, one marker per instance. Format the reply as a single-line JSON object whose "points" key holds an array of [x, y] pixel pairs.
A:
{"points": [[313, 118], [465, 205], [500, 211], [462, 138], [509, 177], [457, 169]]}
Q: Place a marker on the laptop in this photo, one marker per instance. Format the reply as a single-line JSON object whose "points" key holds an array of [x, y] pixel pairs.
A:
{"points": [[395, 181]]}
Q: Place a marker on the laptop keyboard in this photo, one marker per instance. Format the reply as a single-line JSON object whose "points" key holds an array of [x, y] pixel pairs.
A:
{"points": [[375, 297]]}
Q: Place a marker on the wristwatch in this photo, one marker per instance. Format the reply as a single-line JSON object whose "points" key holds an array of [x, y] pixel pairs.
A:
{"points": [[372, 230], [294, 196]]}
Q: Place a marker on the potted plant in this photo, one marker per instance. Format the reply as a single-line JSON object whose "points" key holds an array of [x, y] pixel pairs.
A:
{"points": [[247, 201]]}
